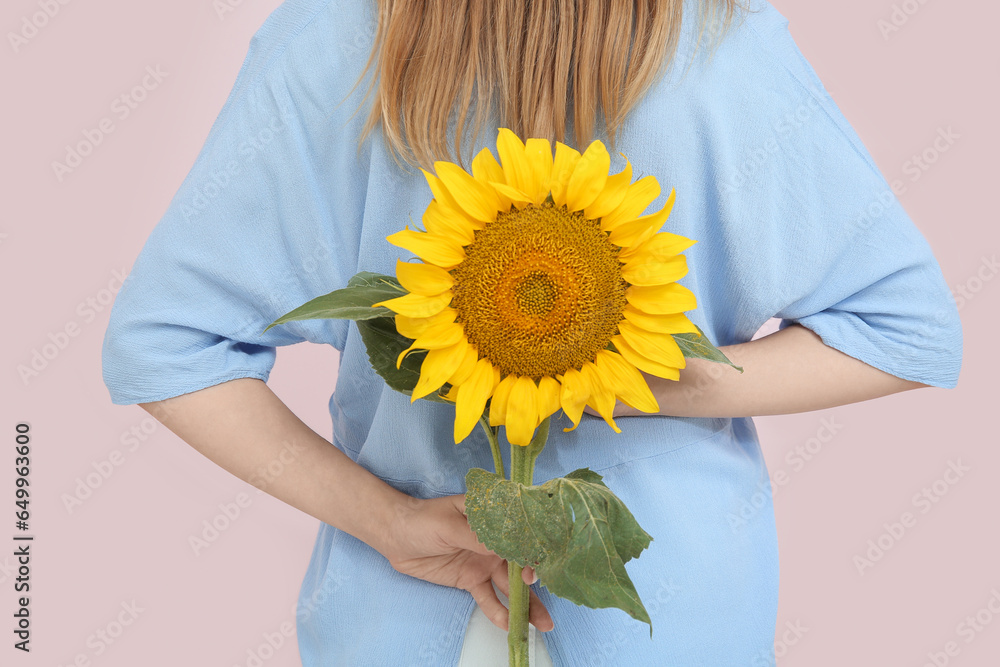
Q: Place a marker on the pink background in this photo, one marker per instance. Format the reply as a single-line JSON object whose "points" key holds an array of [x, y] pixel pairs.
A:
{"points": [[62, 242]]}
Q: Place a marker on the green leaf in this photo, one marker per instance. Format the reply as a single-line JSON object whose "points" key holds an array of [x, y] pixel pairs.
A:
{"points": [[369, 279], [573, 530], [698, 346], [384, 344], [353, 302]]}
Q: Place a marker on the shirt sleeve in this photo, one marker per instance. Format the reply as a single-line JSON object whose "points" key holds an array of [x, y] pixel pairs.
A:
{"points": [[843, 258], [259, 226]]}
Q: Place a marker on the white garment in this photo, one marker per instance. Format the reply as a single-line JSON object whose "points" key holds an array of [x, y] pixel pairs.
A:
{"points": [[486, 645]]}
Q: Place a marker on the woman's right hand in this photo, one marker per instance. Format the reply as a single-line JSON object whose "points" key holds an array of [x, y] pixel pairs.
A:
{"points": [[431, 539]]}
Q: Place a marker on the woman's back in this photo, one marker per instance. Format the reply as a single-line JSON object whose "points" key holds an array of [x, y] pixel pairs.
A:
{"points": [[792, 220]]}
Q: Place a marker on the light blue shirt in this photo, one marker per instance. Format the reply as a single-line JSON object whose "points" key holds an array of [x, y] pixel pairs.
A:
{"points": [[793, 221]]}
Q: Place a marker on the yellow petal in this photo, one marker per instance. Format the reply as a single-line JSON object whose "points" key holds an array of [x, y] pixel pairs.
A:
{"points": [[656, 346], [435, 249], [515, 196], [636, 231], [442, 221], [439, 335], [471, 399], [562, 169], [465, 368], [642, 363], [478, 200], [412, 327], [548, 396], [669, 324], [498, 403], [539, 155], [444, 198], [655, 272], [516, 169], [522, 411], [487, 170], [626, 381], [416, 305], [589, 177], [451, 395], [661, 299], [659, 247], [440, 331], [437, 367], [602, 396], [639, 195], [612, 195], [399, 358], [425, 279], [574, 395]]}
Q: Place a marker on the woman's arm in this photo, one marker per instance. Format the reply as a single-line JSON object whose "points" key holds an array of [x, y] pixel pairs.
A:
{"points": [[788, 371], [242, 426]]}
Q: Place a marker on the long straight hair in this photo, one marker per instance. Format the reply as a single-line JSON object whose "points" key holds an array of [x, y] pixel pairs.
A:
{"points": [[534, 60]]}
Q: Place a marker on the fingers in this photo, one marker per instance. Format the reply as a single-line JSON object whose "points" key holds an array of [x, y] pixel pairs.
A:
{"points": [[490, 604], [538, 615], [529, 576]]}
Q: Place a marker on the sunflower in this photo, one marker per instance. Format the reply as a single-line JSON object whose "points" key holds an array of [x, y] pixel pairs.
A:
{"points": [[542, 285]]}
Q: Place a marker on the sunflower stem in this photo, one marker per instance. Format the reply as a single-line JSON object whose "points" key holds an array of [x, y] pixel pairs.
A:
{"points": [[492, 436], [522, 470]]}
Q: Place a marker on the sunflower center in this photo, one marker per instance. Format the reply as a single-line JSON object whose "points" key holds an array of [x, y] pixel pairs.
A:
{"points": [[536, 294], [540, 290]]}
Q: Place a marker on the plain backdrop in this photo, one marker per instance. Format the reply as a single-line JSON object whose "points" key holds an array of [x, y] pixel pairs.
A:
{"points": [[122, 553]]}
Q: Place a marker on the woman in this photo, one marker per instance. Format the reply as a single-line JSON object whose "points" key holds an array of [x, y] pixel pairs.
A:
{"points": [[301, 179]]}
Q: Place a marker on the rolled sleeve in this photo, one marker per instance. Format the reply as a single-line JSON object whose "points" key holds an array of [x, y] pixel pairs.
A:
{"points": [[850, 264], [883, 300], [818, 236]]}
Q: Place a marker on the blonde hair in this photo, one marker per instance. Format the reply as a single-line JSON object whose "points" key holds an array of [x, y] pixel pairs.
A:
{"points": [[540, 58]]}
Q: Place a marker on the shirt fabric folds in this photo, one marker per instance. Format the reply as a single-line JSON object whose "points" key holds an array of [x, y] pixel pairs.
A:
{"points": [[793, 221]]}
